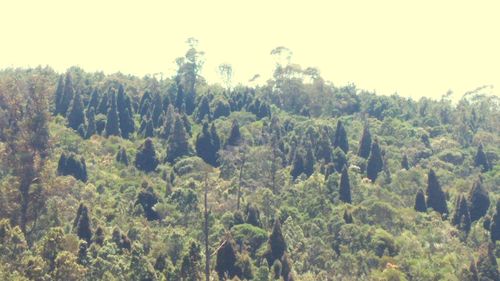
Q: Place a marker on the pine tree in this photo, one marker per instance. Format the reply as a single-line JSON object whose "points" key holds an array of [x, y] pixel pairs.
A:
{"points": [[234, 138], [157, 110], [347, 217], [365, 143], [375, 163], [323, 149], [481, 160], [345, 187], [404, 162], [225, 264], [124, 115], [68, 94], [435, 195], [112, 123], [102, 108], [309, 161], [75, 115], [215, 138], [461, 216], [94, 100], [203, 110], [339, 159], [420, 205], [341, 137], [479, 200], [59, 96], [83, 228], [177, 145], [168, 125], [81, 131], [487, 266], [148, 199], [298, 165], [99, 236], [121, 156], [91, 125], [70, 166], [495, 224], [83, 258], [148, 131], [276, 244], [204, 146], [145, 159], [252, 215]]}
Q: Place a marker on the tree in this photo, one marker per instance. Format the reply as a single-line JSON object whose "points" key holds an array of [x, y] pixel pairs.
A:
{"points": [[435, 195], [479, 200], [83, 228], [226, 74], [298, 165], [68, 94], [168, 125], [71, 166], [276, 244], [309, 161], [461, 217], [375, 163], [148, 199], [58, 96], [112, 123], [75, 115], [203, 110], [234, 138], [347, 217], [420, 205], [225, 264], [124, 115], [481, 160], [404, 162], [345, 187], [91, 125], [204, 146], [177, 144], [365, 143], [191, 263], [341, 137], [121, 156], [495, 225], [339, 159], [487, 266], [145, 159]]}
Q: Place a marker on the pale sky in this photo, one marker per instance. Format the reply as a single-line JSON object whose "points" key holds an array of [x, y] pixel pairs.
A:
{"points": [[415, 48]]}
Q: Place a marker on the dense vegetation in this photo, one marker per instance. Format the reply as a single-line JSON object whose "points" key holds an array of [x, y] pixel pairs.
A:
{"points": [[115, 177]]}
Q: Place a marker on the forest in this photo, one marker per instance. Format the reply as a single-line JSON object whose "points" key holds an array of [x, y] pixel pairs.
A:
{"points": [[118, 177]]}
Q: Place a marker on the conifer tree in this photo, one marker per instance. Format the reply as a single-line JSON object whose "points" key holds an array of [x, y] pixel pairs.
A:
{"points": [[339, 159], [112, 123], [203, 110], [225, 264], [145, 159], [94, 100], [83, 258], [461, 217], [404, 162], [70, 166], [495, 225], [124, 115], [375, 163], [148, 131], [234, 138], [341, 137], [365, 143], [168, 125], [91, 125], [204, 146], [323, 149], [347, 217], [75, 114], [215, 138], [487, 266], [148, 199], [345, 187], [252, 215], [420, 205], [191, 263], [121, 156], [99, 236], [298, 165], [157, 110], [177, 145], [276, 245], [481, 160], [435, 195], [68, 94], [83, 228], [479, 200], [309, 161], [102, 108], [59, 96], [81, 131]]}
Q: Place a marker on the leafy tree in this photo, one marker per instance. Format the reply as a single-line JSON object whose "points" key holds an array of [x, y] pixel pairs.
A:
{"points": [[365, 143], [145, 159], [435, 195], [341, 137], [420, 205], [375, 163], [479, 200], [345, 187], [481, 160], [191, 263], [75, 115], [112, 123], [177, 145]]}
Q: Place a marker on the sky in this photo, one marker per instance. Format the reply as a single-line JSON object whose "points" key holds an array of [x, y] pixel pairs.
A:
{"points": [[414, 48]]}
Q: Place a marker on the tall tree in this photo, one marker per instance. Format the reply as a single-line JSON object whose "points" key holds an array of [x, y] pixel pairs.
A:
{"points": [[479, 201], [345, 187], [177, 144], [145, 159], [124, 115], [234, 138], [341, 137], [58, 96], [112, 123], [461, 216], [91, 125], [68, 94], [480, 160], [75, 115], [83, 227], [225, 264], [365, 143], [487, 266], [205, 147], [309, 161], [420, 205], [276, 244], [375, 163], [298, 165], [404, 162], [495, 225], [435, 195]]}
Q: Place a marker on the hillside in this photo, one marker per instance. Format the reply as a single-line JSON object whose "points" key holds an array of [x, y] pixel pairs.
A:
{"points": [[117, 177]]}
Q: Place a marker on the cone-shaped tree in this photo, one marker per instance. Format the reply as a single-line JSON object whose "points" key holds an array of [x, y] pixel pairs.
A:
{"points": [[234, 138], [487, 266], [112, 123], [341, 137], [75, 114], [323, 149], [102, 108], [276, 244], [420, 205], [339, 159], [479, 201], [68, 94], [94, 100], [191, 263], [461, 216], [59, 95], [168, 124], [298, 165], [177, 145], [71, 166], [91, 126], [148, 199], [145, 159], [480, 160], [347, 217], [83, 228], [345, 187], [203, 109], [204, 146], [157, 110], [124, 115], [435, 195], [78, 214], [121, 156], [375, 163], [215, 137], [309, 161], [404, 162], [365, 144], [148, 131], [495, 224], [225, 265], [99, 236], [252, 215]]}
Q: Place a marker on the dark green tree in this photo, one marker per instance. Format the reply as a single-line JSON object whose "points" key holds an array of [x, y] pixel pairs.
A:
{"points": [[420, 205], [495, 225], [121, 156], [203, 110], [71, 166], [148, 199], [347, 217], [58, 96], [91, 125], [309, 161], [276, 245], [94, 100], [191, 263], [436, 198], [83, 228], [375, 163], [487, 266], [204, 146], [68, 94], [234, 138], [124, 115], [341, 137], [404, 162], [365, 143], [345, 187], [112, 122], [481, 160], [461, 216], [297, 165], [225, 264], [479, 200], [339, 159], [145, 159], [177, 145], [168, 124], [75, 115]]}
